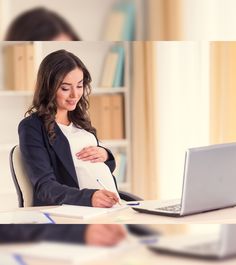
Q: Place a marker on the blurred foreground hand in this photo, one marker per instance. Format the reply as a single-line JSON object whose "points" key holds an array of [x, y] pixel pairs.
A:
{"points": [[104, 234]]}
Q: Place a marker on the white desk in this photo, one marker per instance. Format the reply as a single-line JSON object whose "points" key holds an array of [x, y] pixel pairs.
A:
{"points": [[129, 216], [138, 256]]}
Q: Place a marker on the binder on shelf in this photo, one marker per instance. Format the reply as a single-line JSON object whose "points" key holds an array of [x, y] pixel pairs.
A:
{"points": [[121, 22], [29, 66], [107, 116], [19, 66], [100, 114], [113, 70], [14, 67], [117, 114]]}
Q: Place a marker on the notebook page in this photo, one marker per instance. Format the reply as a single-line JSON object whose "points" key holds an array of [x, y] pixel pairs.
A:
{"points": [[21, 217], [81, 212]]}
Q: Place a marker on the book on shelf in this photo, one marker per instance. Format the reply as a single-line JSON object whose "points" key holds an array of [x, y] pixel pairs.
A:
{"points": [[120, 23], [14, 67], [100, 114], [29, 66], [117, 116], [113, 70], [118, 79], [19, 64], [107, 116]]}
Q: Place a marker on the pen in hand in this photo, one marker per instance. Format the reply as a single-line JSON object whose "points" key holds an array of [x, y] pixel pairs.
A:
{"points": [[105, 188]]}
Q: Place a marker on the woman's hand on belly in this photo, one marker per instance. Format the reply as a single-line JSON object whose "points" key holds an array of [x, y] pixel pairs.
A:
{"points": [[104, 199], [93, 154]]}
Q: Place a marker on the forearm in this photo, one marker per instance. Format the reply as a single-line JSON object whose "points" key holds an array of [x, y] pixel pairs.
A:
{"points": [[54, 193]]}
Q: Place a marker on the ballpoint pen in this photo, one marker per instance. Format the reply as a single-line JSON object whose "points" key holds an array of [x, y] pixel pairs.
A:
{"points": [[101, 184], [104, 187], [133, 203]]}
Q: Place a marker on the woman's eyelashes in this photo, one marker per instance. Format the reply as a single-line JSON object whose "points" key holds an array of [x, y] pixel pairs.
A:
{"points": [[64, 88], [67, 89]]}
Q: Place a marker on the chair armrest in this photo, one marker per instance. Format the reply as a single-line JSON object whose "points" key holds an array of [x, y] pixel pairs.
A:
{"points": [[142, 230], [129, 196]]}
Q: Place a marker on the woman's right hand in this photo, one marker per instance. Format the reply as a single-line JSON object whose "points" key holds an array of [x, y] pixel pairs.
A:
{"points": [[104, 234], [104, 199]]}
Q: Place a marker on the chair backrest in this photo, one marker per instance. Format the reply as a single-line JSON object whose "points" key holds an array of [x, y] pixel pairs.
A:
{"points": [[22, 183]]}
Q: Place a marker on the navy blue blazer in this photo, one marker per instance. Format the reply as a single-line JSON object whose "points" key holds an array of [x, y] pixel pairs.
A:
{"points": [[50, 167], [12, 233]]}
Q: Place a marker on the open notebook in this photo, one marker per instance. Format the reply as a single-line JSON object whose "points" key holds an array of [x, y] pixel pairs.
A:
{"points": [[20, 217], [81, 212], [72, 253], [8, 259]]}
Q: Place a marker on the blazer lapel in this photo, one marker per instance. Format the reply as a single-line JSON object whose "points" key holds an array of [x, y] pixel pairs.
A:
{"points": [[62, 149]]}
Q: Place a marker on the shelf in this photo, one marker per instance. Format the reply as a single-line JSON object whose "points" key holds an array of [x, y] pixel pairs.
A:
{"points": [[108, 90], [114, 143]]}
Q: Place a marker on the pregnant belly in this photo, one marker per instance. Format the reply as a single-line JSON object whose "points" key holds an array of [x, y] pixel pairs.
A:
{"points": [[88, 173]]}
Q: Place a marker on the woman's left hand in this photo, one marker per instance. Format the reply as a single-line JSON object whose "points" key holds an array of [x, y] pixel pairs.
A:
{"points": [[93, 154]]}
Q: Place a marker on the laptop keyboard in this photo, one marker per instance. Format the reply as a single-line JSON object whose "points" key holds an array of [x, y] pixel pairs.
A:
{"points": [[171, 208]]}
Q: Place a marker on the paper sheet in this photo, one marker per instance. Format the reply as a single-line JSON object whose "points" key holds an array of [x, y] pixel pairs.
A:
{"points": [[72, 253], [8, 259], [24, 217], [81, 212]]}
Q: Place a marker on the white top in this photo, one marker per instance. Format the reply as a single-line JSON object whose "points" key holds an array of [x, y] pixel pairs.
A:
{"points": [[87, 172]]}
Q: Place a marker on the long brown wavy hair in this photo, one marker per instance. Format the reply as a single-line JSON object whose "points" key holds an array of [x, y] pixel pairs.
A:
{"points": [[51, 73]]}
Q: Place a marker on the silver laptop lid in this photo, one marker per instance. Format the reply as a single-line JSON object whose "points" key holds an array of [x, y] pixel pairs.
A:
{"points": [[228, 240], [209, 178]]}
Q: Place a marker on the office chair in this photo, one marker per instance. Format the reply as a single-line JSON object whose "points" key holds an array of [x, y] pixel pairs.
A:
{"points": [[24, 190], [22, 183], [24, 187]]}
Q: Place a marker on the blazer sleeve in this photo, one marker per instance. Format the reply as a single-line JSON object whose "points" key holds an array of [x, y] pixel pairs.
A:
{"points": [[10, 233], [47, 188], [110, 162]]}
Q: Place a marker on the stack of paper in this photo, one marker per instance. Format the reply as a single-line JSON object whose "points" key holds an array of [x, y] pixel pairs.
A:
{"points": [[81, 212], [62, 252], [72, 253]]}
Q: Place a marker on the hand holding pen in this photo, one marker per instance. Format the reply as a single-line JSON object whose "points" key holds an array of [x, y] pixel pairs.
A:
{"points": [[104, 198]]}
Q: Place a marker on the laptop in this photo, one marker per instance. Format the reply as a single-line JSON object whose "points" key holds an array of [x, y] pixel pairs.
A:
{"points": [[209, 182], [213, 246]]}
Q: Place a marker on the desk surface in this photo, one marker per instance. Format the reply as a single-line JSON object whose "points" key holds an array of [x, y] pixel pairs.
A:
{"points": [[138, 256], [129, 216]]}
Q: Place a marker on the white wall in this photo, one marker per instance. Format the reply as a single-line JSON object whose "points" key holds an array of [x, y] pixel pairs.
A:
{"points": [[91, 53], [209, 20], [203, 228], [182, 108]]}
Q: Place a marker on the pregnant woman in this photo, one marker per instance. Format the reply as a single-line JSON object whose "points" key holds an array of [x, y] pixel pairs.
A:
{"points": [[59, 146]]}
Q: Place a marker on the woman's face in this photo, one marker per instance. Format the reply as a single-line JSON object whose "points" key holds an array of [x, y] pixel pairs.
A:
{"points": [[70, 91]]}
